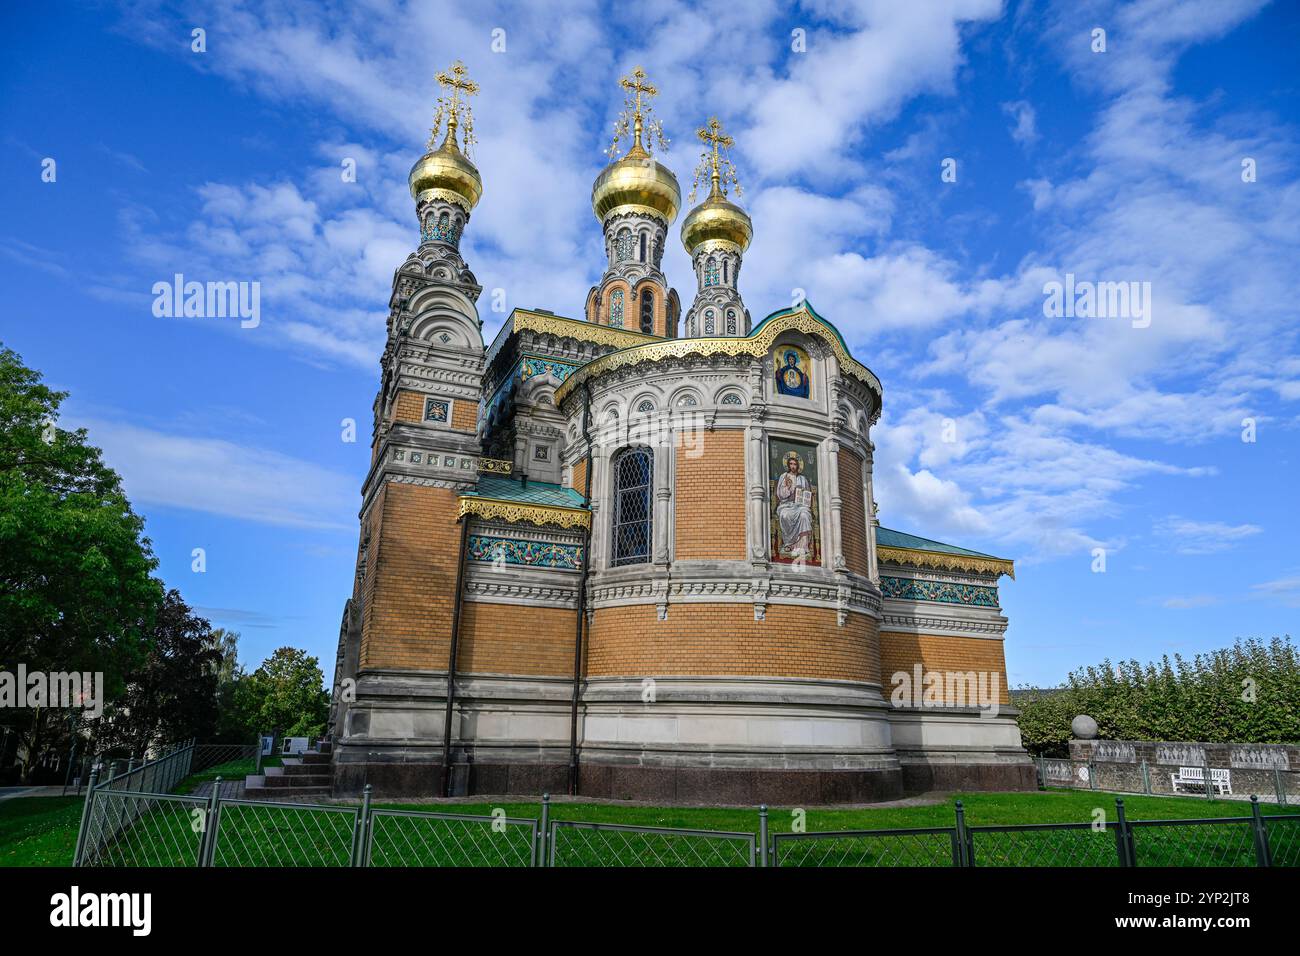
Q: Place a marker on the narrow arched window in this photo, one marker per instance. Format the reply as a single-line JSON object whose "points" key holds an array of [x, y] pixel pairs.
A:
{"points": [[647, 311], [632, 528], [643, 247], [725, 263]]}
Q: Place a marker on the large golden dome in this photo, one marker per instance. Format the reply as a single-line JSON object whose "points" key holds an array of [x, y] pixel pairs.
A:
{"points": [[637, 183], [717, 218], [445, 173]]}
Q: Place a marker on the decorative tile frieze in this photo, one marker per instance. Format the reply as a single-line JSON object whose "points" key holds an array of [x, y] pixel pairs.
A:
{"points": [[533, 554], [944, 592]]}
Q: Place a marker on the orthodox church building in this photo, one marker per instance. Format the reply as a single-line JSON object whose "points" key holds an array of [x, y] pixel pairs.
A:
{"points": [[634, 553]]}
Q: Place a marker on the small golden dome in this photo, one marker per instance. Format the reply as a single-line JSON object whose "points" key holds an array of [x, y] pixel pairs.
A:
{"points": [[445, 173], [636, 183], [717, 218]]}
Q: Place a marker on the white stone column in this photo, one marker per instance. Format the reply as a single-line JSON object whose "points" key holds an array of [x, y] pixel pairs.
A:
{"points": [[869, 509], [757, 530], [598, 464], [831, 483], [662, 445]]}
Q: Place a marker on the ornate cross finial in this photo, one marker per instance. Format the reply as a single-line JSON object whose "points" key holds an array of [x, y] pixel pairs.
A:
{"points": [[453, 107], [722, 172], [635, 114]]}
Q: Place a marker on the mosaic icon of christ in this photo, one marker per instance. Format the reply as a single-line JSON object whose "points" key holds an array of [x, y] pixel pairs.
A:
{"points": [[794, 516]]}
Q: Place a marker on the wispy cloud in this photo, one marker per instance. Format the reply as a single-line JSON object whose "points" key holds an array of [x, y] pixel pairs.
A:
{"points": [[1203, 537]]}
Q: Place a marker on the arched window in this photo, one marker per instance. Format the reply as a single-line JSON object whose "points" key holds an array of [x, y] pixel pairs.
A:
{"points": [[725, 263], [647, 311], [633, 468], [616, 309], [708, 321], [623, 246], [731, 321], [643, 247], [711, 272]]}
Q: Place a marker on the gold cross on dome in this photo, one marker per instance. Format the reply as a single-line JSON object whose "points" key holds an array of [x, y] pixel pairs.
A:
{"points": [[712, 135], [458, 81], [633, 83]]}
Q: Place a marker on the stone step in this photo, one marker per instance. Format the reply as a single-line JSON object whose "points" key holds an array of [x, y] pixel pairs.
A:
{"points": [[316, 759], [274, 793], [302, 769], [298, 780]]}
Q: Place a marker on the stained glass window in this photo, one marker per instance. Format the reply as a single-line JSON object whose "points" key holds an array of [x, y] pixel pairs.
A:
{"points": [[633, 468], [435, 410], [647, 311], [616, 309], [708, 321], [711, 272], [731, 398], [731, 321], [440, 230], [623, 247]]}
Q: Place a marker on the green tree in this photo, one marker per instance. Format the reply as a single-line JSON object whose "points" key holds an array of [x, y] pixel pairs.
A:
{"points": [[286, 694], [1249, 693], [172, 695], [76, 591]]}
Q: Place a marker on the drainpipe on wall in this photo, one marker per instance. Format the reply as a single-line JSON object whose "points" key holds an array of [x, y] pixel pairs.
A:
{"points": [[451, 658], [582, 598]]}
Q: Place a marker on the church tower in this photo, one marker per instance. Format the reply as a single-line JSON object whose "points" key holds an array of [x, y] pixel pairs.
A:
{"points": [[636, 199], [425, 454], [716, 234]]}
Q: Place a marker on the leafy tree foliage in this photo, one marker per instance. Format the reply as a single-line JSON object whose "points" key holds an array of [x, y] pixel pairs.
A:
{"points": [[286, 694], [1249, 693]]}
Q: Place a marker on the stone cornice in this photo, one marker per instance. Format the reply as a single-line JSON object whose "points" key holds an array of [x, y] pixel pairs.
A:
{"points": [[502, 510], [756, 344], [946, 561]]}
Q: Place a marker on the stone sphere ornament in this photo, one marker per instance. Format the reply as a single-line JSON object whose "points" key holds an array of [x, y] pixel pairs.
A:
{"points": [[1084, 728]]}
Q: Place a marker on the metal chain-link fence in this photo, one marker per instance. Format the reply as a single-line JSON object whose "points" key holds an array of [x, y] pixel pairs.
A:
{"points": [[129, 828]]}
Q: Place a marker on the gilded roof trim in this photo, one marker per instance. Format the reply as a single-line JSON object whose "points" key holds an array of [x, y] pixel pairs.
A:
{"points": [[948, 562], [579, 329], [499, 508], [758, 343]]}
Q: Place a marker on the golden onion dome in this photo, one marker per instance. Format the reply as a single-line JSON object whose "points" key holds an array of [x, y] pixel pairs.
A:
{"points": [[636, 183], [446, 173], [717, 218]]}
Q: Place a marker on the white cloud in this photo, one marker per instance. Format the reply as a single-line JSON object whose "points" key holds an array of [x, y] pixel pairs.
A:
{"points": [[1203, 537], [223, 478]]}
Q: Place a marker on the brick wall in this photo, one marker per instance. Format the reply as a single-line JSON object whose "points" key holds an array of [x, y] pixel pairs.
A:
{"points": [[409, 407], [410, 578], [464, 415], [580, 476], [724, 639], [901, 652], [853, 520], [515, 639], [709, 497]]}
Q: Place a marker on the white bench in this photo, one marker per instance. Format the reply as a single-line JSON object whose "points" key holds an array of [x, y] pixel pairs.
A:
{"points": [[1193, 778]]}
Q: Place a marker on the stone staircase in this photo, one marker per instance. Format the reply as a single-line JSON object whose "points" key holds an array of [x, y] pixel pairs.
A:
{"points": [[307, 775]]}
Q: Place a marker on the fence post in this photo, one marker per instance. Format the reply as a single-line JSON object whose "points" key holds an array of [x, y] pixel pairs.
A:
{"points": [[85, 819], [208, 844], [1209, 784], [544, 835], [1263, 856], [361, 831], [965, 853], [1042, 772], [762, 834], [1146, 778], [1092, 774], [1123, 836], [1277, 785]]}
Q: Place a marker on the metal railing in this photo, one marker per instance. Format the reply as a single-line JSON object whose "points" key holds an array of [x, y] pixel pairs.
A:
{"points": [[131, 828], [1272, 784]]}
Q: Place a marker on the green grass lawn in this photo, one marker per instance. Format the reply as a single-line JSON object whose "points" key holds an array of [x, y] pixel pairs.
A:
{"points": [[41, 831], [231, 770], [38, 831]]}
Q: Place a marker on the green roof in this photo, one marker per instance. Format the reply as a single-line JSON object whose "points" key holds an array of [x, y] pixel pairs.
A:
{"points": [[887, 538], [536, 492]]}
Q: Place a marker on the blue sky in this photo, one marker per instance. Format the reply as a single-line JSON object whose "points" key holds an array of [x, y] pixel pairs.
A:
{"points": [[1066, 434]]}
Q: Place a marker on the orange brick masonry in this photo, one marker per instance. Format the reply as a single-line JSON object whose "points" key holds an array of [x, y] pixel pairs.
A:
{"points": [[709, 497]]}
